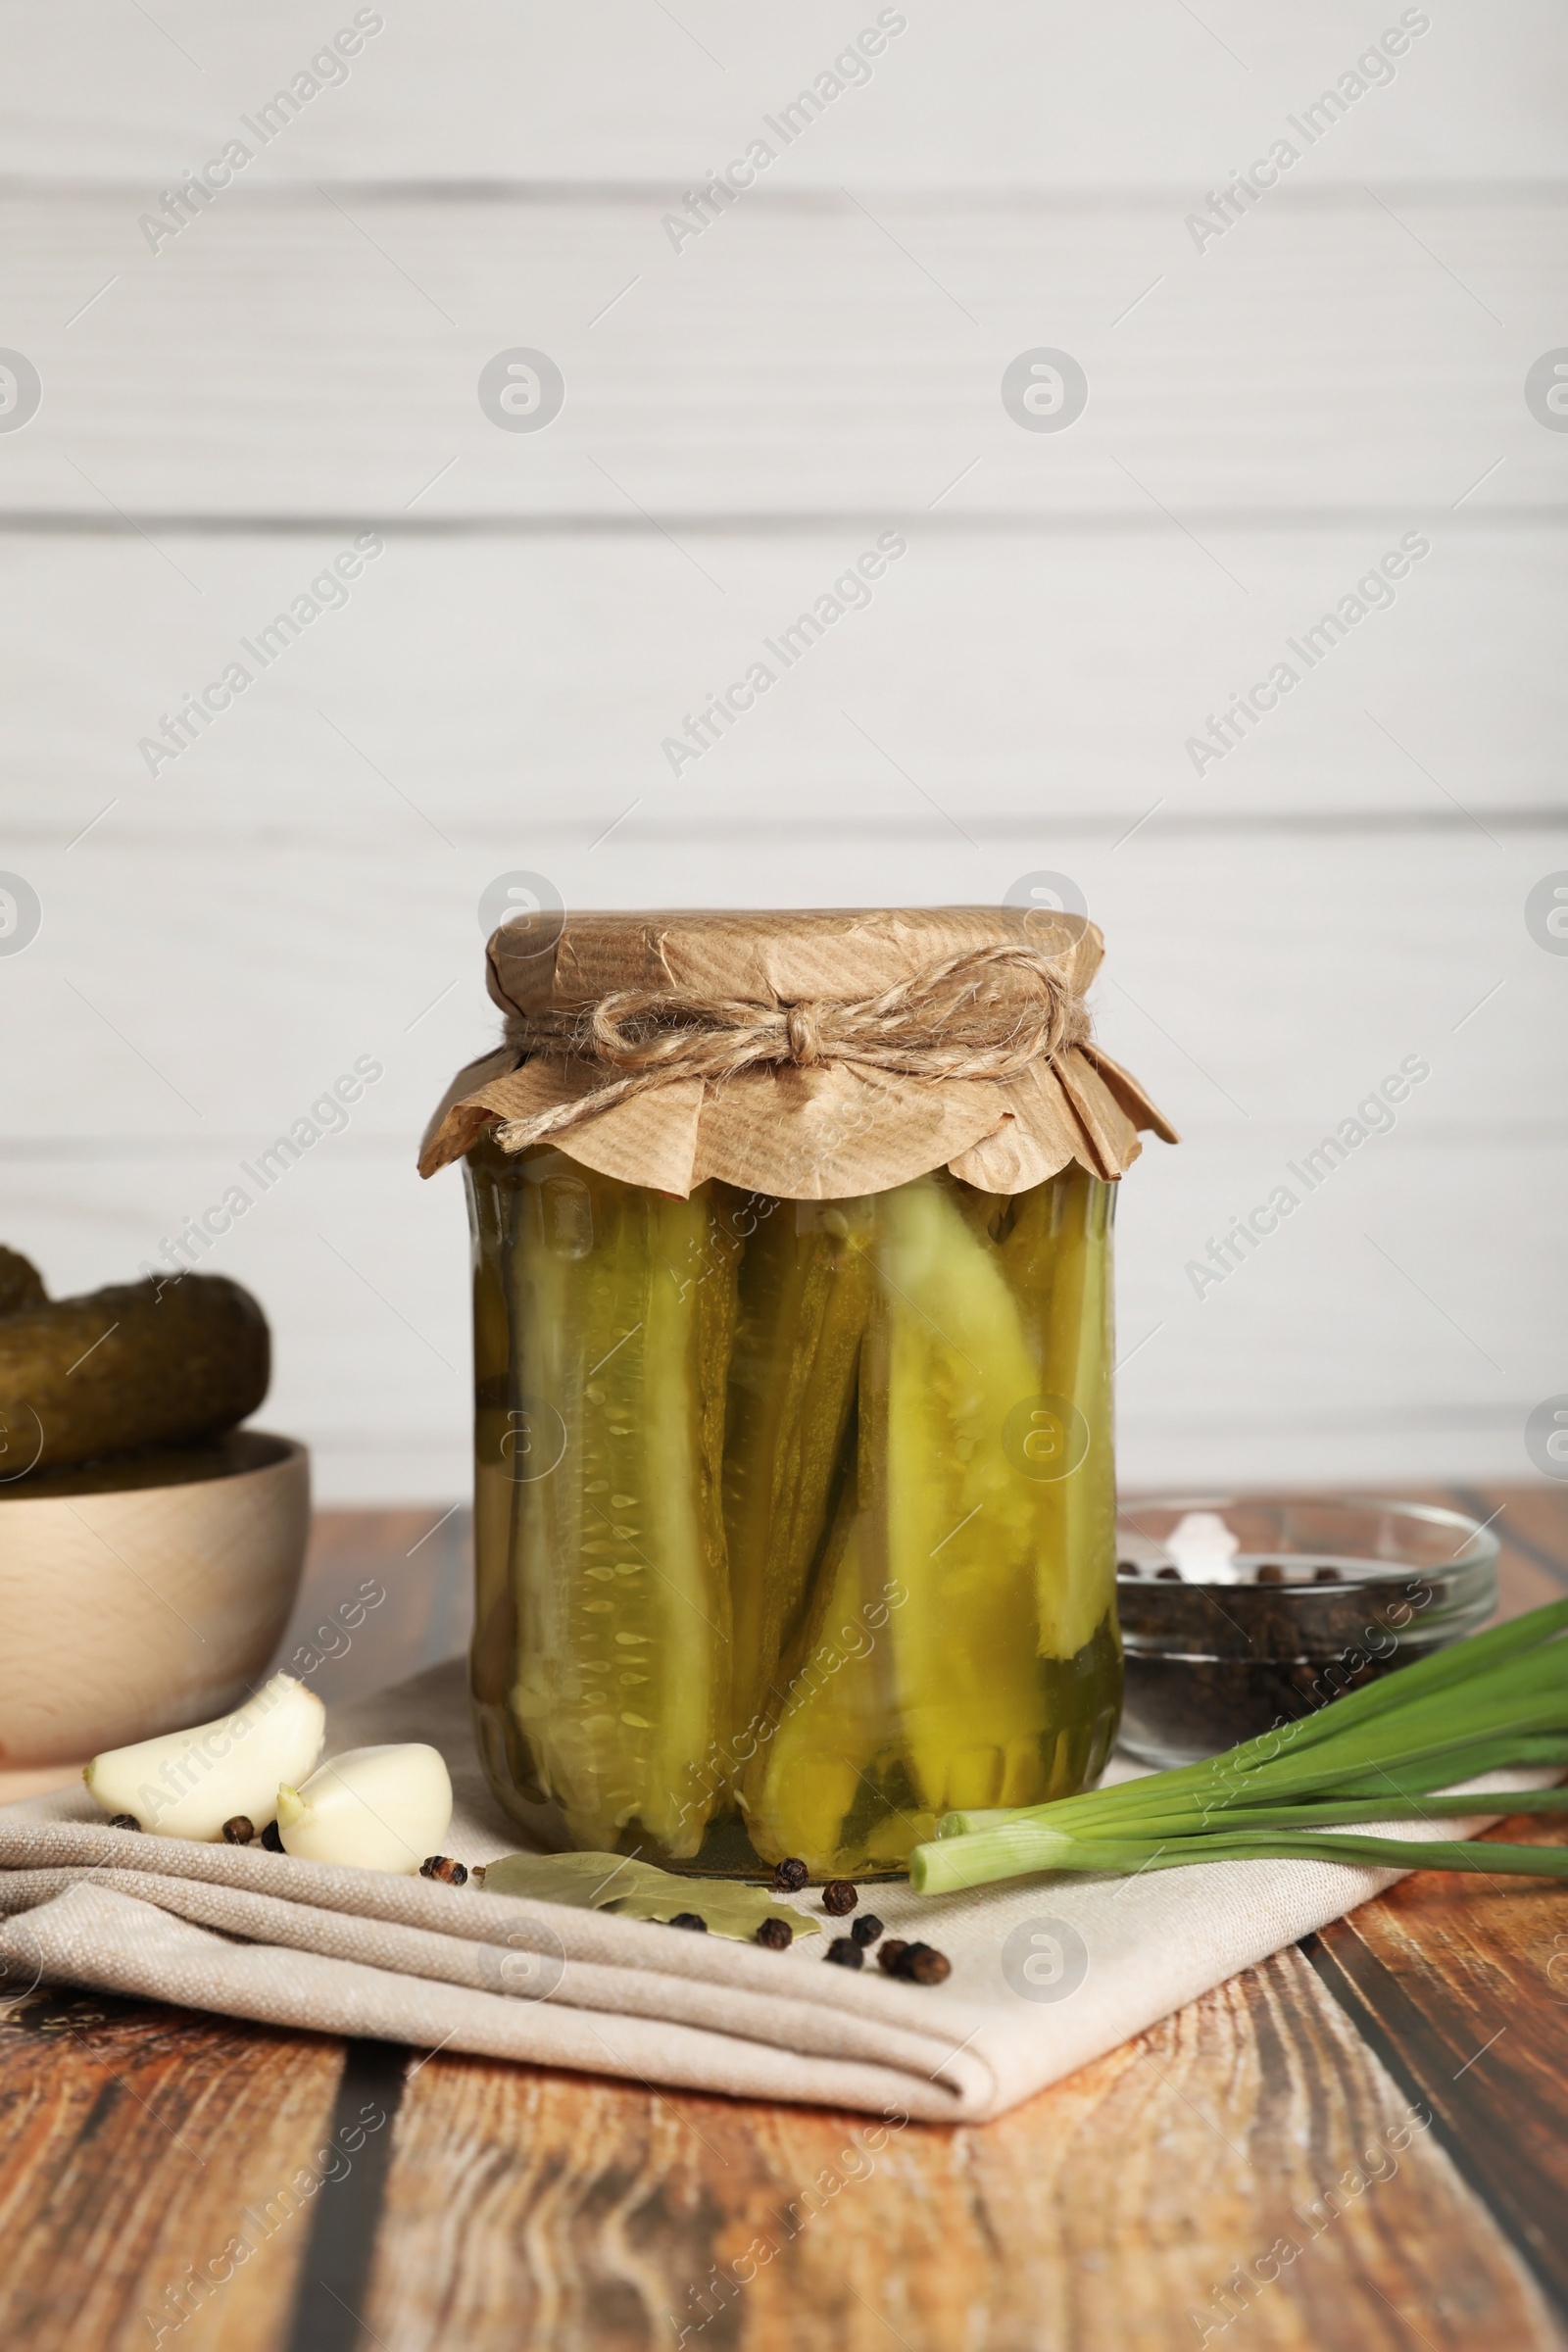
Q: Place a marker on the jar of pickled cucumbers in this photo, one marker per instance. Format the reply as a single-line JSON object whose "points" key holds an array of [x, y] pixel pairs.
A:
{"points": [[795, 1498]]}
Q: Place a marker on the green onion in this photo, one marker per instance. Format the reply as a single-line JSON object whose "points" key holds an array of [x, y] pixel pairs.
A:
{"points": [[1386, 1752]]}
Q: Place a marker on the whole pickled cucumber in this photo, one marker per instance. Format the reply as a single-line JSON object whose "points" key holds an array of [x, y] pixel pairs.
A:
{"points": [[143, 1364], [622, 1315], [805, 1294], [21, 1283]]}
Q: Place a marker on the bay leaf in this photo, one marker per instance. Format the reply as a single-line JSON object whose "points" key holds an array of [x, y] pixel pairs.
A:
{"points": [[634, 1890]]}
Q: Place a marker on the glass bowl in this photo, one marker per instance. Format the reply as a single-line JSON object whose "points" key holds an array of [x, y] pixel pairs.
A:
{"points": [[1279, 1604]]}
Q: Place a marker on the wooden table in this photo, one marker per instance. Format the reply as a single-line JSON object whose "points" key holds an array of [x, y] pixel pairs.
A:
{"points": [[1142, 2203]]}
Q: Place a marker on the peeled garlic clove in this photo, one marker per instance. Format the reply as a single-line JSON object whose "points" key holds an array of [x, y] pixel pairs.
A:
{"points": [[188, 1784], [374, 1808]]}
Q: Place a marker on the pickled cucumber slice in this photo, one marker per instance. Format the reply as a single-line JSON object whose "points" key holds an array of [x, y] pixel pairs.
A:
{"points": [[917, 1674], [805, 1294], [958, 1637], [495, 1629], [622, 1318], [1057, 1260], [957, 1520], [828, 1784]]}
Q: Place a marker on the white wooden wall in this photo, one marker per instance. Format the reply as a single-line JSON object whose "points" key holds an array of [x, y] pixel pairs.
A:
{"points": [[1266, 419]]}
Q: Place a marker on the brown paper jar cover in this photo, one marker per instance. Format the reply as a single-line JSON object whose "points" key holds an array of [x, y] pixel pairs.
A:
{"points": [[830, 1131]]}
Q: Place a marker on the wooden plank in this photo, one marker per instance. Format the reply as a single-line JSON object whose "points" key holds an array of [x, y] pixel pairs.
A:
{"points": [[140, 2141], [479, 705], [419, 1562], [1533, 1528], [1001, 100], [1459, 1983], [364, 1270], [1108, 2210], [820, 361], [1459, 1986], [1113, 2208], [1252, 1385]]}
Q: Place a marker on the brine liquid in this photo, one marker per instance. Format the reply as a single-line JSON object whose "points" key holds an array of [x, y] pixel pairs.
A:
{"points": [[795, 1521]]}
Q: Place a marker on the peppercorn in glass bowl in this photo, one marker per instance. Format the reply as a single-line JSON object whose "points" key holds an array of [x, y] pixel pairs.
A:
{"points": [[1242, 1613]]}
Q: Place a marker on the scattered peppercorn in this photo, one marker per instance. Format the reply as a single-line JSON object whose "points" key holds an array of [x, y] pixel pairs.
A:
{"points": [[1168, 1571], [272, 1839], [442, 1867], [914, 1963], [839, 1896], [1325, 1575], [790, 1875], [776, 1933], [690, 1919], [845, 1952], [121, 1821], [866, 1929], [1126, 1567], [238, 1830], [1271, 1572]]}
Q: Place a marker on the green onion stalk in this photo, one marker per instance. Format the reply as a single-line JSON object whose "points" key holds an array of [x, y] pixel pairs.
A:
{"points": [[1394, 1751]]}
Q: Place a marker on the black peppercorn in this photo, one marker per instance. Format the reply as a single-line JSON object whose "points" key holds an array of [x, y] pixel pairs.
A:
{"points": [[272, 1839], [845, 1952], [1168, 1571], [790, 1875], [238, 1830], [690, 1919], [839, 1896], [442, 1867], [1271, 1572], [891, 1954], [123, 1821], [922, 1964], [1325, 1575], [776, 1933], [866, 1929]]}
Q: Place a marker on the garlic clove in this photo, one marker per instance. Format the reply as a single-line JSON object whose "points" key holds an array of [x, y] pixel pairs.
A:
{"points": [[188, 1784], [374, 1809]]}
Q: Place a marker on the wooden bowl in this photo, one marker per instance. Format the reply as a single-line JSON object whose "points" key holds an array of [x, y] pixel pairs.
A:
{"points": [[141, 1596]]}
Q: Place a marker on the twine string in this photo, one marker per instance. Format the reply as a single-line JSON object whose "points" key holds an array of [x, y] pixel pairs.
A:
{"points": [[987, 1013]]}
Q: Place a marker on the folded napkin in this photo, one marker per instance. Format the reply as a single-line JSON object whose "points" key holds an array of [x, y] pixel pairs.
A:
{"points": [[1047, 1972]]}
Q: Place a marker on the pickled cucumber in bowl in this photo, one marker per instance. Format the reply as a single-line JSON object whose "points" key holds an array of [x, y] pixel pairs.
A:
{"points": [[132, 1365]]}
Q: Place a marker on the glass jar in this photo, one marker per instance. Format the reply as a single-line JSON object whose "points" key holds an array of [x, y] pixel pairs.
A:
{"points": [[794, 1520]]}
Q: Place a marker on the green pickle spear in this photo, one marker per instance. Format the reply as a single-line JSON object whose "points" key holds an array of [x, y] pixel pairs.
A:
{"points": [[960, 1519], [621, 1318], [960, 1640], [1057, 1257], [805, 1294], [827, 1764]]}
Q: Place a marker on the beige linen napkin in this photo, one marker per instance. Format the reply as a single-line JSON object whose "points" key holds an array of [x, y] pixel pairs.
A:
{"points": [[1046, 1972]]}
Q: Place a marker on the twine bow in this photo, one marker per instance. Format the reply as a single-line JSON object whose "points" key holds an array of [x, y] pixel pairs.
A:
{"points": [[957, 1021]]}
